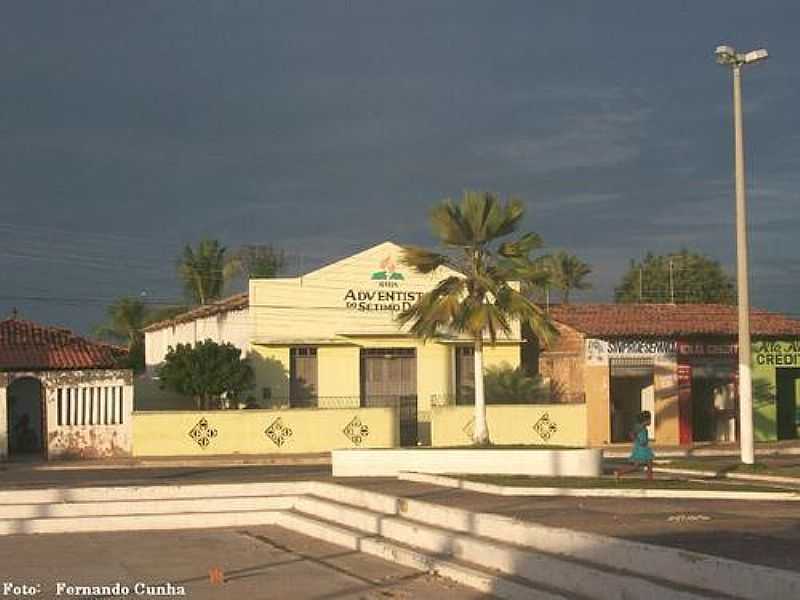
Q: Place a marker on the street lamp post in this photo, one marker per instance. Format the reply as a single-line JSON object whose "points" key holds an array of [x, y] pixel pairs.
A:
{"points": [[726, 55]]}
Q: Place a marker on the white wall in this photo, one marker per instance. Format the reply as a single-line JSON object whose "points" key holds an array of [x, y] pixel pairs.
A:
{"points": [[233, 327]]}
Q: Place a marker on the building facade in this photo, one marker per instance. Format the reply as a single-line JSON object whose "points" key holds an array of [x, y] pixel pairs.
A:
{"points": [[680, 362], [61, 396], [330, 339]]}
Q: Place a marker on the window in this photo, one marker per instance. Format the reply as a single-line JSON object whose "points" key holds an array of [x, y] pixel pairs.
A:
{"points": [[465, 375], [303, 377]]}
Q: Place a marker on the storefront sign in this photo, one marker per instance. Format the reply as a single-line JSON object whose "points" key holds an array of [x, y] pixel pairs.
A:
{"points": [[704, 349], [598, 352], [777, 354], [380, 300], [389, 298]]}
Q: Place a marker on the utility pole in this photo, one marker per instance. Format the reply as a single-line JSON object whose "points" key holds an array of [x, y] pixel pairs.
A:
{"points": [[640, 284], [671, 284], [735, 60]]}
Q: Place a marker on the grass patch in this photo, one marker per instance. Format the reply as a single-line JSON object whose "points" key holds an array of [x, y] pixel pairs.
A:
{"points": [[719, 466], [624, 483], [498, 447]]}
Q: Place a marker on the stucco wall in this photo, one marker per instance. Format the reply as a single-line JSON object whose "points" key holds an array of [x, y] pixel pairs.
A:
{"points": [[535, 424], [665, 420], [198, 433], [598, 404], [339, 367]]}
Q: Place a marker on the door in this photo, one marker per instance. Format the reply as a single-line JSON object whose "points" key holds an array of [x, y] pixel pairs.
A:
{"points": [[389, 378], [25, 418], [786, 402], [703, 409]]}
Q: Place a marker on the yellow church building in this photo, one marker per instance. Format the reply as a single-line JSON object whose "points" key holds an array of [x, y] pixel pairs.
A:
{"points": [[330, 339]]}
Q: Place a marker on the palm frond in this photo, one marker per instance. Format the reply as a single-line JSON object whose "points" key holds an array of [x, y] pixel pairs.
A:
{"points": [[422, 260]]}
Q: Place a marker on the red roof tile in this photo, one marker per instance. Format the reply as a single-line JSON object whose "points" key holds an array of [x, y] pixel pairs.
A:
{"points": [[27, 345], [669, 320], [237, 302]]}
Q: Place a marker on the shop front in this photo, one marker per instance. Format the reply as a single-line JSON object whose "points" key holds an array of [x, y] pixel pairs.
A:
{"points": [[776, 386], [640, 376], [707, 380], [680, 362]]}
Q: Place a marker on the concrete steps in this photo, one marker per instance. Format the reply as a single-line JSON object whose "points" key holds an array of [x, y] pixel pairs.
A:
{"points": [[720, 576], [495, 554], [537, 568], [478, 577]]}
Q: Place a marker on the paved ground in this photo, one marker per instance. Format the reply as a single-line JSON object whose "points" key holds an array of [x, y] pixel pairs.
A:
{"points": [[762, 532], [766, 533], [18, 477], [257, 562]]}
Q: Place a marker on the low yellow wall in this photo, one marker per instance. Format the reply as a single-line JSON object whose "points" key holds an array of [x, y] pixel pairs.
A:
{"points": [[540, 424], [197, 433]]}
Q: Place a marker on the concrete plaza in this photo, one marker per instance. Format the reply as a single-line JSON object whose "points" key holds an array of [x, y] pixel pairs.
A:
{"points": [[268, 563], [758, 532]]}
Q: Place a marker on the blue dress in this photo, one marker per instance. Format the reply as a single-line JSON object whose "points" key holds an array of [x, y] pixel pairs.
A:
{"points": [[641, 452]]}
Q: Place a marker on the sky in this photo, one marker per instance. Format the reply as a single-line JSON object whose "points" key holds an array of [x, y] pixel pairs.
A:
{"points": [[128, 129]]}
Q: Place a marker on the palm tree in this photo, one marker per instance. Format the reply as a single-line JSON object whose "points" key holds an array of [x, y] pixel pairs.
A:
{"points": [[201, 270], [126, 318], [568, 272], [479, 299], [255, 261]]}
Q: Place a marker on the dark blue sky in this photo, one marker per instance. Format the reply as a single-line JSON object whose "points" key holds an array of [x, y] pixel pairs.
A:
{"points": [[130, 128]]}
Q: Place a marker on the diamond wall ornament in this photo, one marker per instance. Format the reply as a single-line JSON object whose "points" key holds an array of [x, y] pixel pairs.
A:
{"points": [[469, 428], [203, 433], [356, 431], [545, 427], [278, 432]]}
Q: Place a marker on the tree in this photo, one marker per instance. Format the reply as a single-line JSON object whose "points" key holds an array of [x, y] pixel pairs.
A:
{"points": [[478, 299], [568, 272], [685, 277], [126, 318], [201, 271], [205, 372], [508, 385], [255, 262]]}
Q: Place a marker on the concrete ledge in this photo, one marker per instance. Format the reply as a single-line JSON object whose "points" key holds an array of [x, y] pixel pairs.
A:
{"points": [[505, 490], [581, 462], [792, 481]]}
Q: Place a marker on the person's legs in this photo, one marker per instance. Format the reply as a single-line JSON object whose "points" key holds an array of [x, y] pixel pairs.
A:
{"points": [[650, 470], [625, 470]]}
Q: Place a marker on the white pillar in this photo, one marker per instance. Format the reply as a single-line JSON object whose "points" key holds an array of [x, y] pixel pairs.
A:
{"points": [[481, 433], [3, 423]]}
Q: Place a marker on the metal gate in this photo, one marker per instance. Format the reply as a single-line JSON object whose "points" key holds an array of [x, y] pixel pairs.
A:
{"points": [[389, 379]]}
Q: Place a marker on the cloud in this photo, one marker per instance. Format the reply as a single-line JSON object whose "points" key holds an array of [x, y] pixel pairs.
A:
{"points": [[586, 140]]}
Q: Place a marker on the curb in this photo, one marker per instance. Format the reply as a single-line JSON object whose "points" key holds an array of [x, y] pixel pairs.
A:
{"points": [[691, 452], [740, 476], [167, 464], [500, 490]]}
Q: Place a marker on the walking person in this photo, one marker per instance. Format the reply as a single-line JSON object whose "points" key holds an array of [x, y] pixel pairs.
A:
{"points": [[641, 455]]}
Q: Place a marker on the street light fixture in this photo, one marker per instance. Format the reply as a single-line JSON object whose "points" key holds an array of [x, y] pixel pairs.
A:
{"points": [[726, 55]]}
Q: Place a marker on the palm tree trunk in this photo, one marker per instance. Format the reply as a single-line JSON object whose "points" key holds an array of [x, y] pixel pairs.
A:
{"points": [[480, 435]]}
